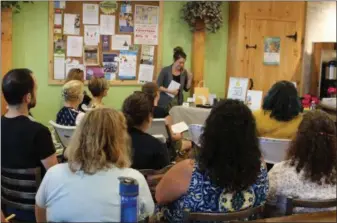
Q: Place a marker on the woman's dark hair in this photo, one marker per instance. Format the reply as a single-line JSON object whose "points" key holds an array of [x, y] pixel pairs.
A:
{"points": [[229, 151], [137, 108], [314, 148], [178, 53], [16, 84], [151, 90], [97, 86], [282, 101]]}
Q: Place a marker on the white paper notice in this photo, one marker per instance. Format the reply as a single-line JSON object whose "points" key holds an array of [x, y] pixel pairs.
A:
{"points": [[173, 86], [120, 42], [179, 127], [145, 73], [91, 35], [146, 34], [107, 25], [58, 19], [254, 99], [71, 24], [90, 14], [237, 88], [74, 46], [59, 64]]}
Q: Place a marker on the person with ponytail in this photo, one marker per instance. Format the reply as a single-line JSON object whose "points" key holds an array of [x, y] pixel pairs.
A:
{"points": [[148, 152], [175, 72]]}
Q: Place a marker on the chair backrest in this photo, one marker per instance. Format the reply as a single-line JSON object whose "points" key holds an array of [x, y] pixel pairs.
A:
{"points": [[195, 132], [19, 187], [64, 133], [220, 217], [158, 127], [274, 150], [293, 203]]}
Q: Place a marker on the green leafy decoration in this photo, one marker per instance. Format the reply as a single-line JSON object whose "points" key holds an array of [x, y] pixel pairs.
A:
{"points": [[14, 5]]}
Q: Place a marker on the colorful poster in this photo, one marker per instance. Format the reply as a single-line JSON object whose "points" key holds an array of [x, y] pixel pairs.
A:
{"points": [[126, 19], [90, 14], [107, 25], [110, 65], [71, 24], [146, 14], [94, 72], [108, 7], [59, 44], [271, 54], [146, 34], [127, 65], [59, 4], [91, 35], [147, 55], [120, 42], [91, 55], [105, 43]]}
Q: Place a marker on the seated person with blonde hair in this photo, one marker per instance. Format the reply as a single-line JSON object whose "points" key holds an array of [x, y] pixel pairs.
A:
{"points": [[72, 93], [86, 189], [98, 87]]}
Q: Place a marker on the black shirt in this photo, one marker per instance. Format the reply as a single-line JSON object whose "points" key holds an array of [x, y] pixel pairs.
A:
{"points": [[67, 116], [159, 112], [86, 101], [24, 143], [148, 152]]}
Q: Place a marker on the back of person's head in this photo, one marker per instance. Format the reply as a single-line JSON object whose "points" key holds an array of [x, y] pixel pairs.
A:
{"points": [[178, 52], [229, 151], [282, 101], [100, 141], [151, 89], [75, 74], [314, 148], [98, 86], [73, 91], [18, 86], [137, 109]]}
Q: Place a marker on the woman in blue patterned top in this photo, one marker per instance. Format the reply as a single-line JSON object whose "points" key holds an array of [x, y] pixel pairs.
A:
{"points": [[228, 175]]}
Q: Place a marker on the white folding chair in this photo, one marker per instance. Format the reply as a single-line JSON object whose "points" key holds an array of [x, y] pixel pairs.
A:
{"points": [[64, 133], [195, 132], [274, 150], [158, 127]]}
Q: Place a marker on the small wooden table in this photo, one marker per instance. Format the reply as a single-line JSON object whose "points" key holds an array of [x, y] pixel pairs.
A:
{"points": [[328, 216]]}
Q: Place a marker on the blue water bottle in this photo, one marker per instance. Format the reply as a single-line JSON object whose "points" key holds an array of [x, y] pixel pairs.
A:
{"points": [[128, 190]]}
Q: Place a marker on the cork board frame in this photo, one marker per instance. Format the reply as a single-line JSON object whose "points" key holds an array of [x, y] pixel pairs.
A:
{"points": [[75, 7]]}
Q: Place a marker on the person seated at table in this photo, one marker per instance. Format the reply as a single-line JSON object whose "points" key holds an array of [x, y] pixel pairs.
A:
{"points": [[78, 74], [228, 174], [310, 169], [98, 88], [86, 189], [280, 115], [72, 94], [152, 90], [148, 152]]}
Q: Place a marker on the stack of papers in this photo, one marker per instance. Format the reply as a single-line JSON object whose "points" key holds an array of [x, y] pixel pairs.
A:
{"points": [[173, 86], [179, 128]]}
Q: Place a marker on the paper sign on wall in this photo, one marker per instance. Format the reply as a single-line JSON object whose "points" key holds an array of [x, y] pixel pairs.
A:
{"points": [[107, 25], [74, 46], [120, 42], [71, 24], [271, 54], [145, 73], [59, 64], [237, 88], [90, 14], [91, 35], [127, 65]]}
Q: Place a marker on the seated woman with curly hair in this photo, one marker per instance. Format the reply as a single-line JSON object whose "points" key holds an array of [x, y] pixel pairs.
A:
{"points": [[228, 174], [310, 169], [86, 189]]}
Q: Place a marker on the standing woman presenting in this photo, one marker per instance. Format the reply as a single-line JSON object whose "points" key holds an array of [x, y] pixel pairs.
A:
{"points": [[175, 72]]}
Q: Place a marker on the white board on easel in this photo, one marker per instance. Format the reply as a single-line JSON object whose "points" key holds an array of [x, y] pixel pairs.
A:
{"points": [[237, 88]]}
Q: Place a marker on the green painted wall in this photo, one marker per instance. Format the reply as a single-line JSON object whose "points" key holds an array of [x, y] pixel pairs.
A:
{"points": [[30, 49]]}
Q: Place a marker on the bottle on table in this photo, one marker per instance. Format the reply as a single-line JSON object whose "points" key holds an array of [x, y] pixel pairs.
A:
{"points": [[128, 190]]}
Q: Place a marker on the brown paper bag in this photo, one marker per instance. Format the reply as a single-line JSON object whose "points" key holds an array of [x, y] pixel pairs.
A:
{"points": [[200, 91]]}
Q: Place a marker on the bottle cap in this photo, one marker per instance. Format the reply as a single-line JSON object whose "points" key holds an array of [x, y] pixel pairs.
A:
{"points": [[128, 187]]}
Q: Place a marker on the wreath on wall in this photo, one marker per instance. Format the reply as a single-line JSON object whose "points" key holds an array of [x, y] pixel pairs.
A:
{"points": [[14, 5], [203, 15]]}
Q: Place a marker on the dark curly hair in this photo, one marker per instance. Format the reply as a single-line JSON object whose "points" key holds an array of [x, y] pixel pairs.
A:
{"points": [[229, 151], [314, 148], [282, 101], [137, 108]]}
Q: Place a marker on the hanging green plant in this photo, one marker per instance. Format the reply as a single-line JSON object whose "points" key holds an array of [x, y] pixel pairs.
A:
{"points": [[206, 13], [14, 5]]}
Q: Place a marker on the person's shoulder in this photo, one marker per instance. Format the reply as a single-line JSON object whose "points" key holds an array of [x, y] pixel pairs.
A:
{"points": [[58, 170], [166, 69]]}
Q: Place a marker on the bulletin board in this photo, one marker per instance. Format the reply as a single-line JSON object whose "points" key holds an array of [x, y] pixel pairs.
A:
{"points": [[71, 21]]}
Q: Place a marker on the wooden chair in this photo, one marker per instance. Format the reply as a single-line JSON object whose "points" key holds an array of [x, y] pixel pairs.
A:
{"points": [[293, 203], [19, 187], [221, 217], [153, 177]]}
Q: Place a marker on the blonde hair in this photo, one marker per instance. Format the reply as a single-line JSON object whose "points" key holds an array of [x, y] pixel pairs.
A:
{"points": [[97, 86], [75, 74], [72, 90], [99, 142]]}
